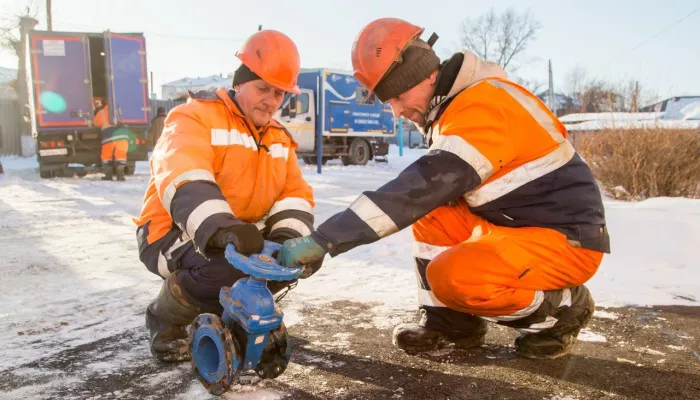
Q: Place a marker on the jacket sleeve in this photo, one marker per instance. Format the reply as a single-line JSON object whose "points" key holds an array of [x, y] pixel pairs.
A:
{"points": [[472, 144], [182, 164], [291, 215]]}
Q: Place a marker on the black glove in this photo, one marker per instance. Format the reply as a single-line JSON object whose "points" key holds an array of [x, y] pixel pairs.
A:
{"points": [[245, 237]]}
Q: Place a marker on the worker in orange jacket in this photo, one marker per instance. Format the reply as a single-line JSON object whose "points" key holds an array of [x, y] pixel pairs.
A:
{"points": [[223, 171], [115, 142], [507, 219]]}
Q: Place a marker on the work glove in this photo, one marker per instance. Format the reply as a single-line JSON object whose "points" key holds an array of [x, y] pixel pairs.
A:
{"points": [[302, 251], [246, 238]]}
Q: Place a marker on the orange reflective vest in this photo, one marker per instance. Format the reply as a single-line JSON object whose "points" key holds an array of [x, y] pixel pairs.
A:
{"points": [[212, 169]]}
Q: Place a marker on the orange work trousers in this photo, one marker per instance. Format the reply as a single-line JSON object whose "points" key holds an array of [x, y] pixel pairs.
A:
{"points": [[115, 151], [482, 269]]}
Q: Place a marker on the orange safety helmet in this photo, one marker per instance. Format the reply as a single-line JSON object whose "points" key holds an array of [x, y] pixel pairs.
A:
{"points": [[378, 46], [274, 57]]}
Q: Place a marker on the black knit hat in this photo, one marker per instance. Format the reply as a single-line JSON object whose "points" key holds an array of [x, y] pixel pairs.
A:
{"points": [[243, 74], [417, 62]]}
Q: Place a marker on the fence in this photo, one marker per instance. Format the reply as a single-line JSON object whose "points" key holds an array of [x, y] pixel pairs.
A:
{"points": [[10, 128]]}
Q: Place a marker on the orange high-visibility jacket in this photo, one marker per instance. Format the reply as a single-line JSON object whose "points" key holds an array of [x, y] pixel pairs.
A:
{"points": [[108, 132], [494, 144], [213, 169]]}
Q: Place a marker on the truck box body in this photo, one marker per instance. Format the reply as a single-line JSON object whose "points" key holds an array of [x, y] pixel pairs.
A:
{"points": [[333, 103], [67, 71]]}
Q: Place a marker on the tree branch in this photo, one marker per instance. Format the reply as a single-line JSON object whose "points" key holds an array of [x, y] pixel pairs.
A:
{"points": [[499, 38]]}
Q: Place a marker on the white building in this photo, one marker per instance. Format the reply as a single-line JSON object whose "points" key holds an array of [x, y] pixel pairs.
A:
{"points": [[179, 88]]}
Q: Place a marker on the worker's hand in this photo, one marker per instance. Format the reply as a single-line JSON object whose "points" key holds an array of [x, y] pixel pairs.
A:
{"points": [[302, 251], [245, 237]]}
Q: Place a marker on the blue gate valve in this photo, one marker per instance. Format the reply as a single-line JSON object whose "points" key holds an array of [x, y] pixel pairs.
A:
{"points": [[250, 333]]}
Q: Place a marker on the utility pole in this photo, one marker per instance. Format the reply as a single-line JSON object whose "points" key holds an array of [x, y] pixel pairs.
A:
{"points": [[552, 100], [48, 15], [152, 92], [635, 97]]}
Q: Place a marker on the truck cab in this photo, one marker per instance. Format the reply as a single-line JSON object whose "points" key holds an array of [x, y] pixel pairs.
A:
{"points": [[72, 73], [334, 107]]}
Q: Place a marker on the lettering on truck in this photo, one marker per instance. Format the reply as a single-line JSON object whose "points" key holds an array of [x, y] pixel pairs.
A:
{"points": [[364, 121]]}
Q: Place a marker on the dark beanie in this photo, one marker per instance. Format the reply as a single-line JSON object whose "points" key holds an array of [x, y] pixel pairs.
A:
{"points": [[243, 74], [417, 62]]}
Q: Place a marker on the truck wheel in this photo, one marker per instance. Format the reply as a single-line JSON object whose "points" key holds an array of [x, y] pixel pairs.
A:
{"points": [[48, 171], [359, 152]]}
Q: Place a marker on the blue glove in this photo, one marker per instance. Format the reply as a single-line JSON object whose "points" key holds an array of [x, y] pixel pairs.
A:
{"points": [[300, 251]]}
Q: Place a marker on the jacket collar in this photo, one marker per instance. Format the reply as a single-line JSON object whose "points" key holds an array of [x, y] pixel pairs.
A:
{"points": [[459, 72]]}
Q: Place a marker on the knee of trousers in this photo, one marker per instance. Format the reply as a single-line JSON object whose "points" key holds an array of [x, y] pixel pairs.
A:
{"points": [[444, 275], [468, 278], [204, 281]]}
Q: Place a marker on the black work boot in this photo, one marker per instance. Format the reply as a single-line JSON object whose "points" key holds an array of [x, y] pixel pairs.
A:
{"points": [[469, 331], [120, 172], [167, 318], [558, 340], [107, 169]]}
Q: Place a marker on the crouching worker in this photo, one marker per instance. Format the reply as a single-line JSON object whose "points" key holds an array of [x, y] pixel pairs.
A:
{"points": [[507, 220], [115, 143], [222, 172]]}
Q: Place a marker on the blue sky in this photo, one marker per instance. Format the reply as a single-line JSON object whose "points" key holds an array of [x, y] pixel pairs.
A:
{"points": [[616, 41]]}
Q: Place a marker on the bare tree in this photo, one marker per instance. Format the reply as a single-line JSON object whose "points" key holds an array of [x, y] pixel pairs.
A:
{"points": [[533, 85], [575, 81], [500, 37], [636, 95], [12, 28], [597, 95]]}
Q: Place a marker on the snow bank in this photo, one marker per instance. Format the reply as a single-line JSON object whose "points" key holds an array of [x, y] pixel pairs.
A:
{"points": [[14, 163], [633, 124], [609, 116]]}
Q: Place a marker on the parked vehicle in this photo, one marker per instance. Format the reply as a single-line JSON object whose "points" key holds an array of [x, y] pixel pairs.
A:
{"points": [[334, 106], [68, 70]]}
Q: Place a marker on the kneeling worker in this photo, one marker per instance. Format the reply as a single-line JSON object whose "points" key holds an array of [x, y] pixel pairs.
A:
{"points": [[507, 219], [222, 172]]}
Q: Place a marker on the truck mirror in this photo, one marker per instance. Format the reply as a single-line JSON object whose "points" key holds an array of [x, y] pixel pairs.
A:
{"points": [[292, 106]]}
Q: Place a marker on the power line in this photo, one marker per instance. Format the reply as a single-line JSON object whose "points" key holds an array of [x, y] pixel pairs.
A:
{"points": [[663, 30]]}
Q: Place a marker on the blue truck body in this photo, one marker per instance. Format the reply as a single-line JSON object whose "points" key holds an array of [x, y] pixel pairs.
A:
{"points": [[335, 107], [68, 70]]}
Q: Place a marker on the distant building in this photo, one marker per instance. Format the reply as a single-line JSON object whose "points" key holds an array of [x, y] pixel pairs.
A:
{"points": [[563, 103], [7, 79], [677, 108], [177, 89]]}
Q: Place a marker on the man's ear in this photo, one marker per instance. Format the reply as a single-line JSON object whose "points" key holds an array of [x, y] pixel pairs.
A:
{"points": [[433, 77]]}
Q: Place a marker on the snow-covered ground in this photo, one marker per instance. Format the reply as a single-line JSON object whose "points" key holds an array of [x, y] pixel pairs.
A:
{"points": [[70, 273]]}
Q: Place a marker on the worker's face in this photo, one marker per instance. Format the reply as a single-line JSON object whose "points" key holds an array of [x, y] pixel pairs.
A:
{"points": [[414, 103], [258, 100]]}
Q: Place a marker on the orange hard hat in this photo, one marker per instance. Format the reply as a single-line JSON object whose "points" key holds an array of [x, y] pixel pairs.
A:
{"points": [[274, 57], [378, 46]]}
